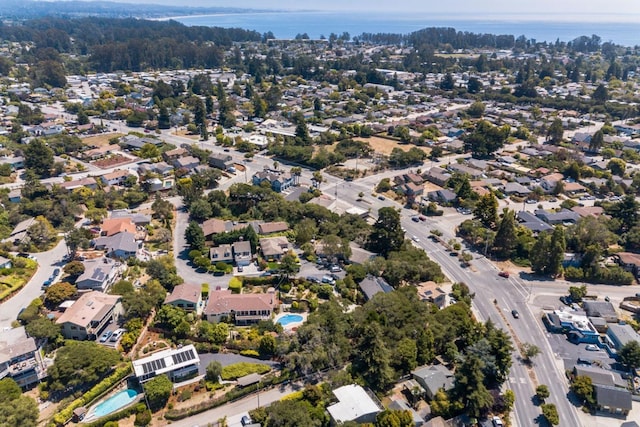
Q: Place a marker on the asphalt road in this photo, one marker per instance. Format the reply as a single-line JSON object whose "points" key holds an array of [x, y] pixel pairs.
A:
{"points": [[47, 262]]}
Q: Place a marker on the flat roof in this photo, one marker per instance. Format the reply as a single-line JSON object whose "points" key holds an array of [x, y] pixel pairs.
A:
{"points": [[166, 361], [353, 402]]}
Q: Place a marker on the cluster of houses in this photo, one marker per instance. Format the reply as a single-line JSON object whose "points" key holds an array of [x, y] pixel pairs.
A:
{"points": [[597, 324]]}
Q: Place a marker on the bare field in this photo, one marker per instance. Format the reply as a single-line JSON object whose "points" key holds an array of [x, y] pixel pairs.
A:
{"points": [[100, 140], [385, 146]]}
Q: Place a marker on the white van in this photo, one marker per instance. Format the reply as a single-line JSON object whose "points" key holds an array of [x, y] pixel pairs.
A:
{"points": [[116, 335]]}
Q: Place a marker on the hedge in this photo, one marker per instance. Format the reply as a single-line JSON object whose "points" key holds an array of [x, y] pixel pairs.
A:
{"points": [[95, 392]]}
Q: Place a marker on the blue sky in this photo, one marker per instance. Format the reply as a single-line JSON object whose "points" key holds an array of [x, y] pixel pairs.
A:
{"points": [[569, 8]]}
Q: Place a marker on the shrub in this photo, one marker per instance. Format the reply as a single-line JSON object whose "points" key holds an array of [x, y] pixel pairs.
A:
{"points": [[185, 395], [142, 418], [250, 353], [235, 285]]}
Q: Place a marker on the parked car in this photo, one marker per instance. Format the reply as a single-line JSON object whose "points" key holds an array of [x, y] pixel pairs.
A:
{"points": [[497, 422], [422, 218], [415, 238], [246, 420], [117, 334], [335, 269], [415, 219], [28, 256], [592, 347], [531, 202], [504, 274], [566, 300], [515, 314], [381, 198], [328, 279], [105, 337], [313, 279]]}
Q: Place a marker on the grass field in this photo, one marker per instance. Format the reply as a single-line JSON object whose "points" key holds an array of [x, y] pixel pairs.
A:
{"points": [[385, 146], [100, 140]]}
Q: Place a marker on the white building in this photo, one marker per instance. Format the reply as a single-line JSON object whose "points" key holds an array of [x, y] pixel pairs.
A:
{"points": [[175, 363], [354, 404]]}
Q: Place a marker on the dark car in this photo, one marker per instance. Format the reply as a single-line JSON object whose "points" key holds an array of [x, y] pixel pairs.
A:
{"points": [[515, 314], [381, 198], [566, 300], [504, 274], [415, 219]]}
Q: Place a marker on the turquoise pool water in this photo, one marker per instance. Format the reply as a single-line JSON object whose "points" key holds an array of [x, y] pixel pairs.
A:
{"points": [[115, 402], [290, 318]]}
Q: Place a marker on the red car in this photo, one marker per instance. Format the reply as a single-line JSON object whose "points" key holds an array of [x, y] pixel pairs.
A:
{"points": [[504, 274]]}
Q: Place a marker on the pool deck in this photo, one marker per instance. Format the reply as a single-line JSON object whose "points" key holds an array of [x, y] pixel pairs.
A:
{"points": [[291, 325], [91, 412]]}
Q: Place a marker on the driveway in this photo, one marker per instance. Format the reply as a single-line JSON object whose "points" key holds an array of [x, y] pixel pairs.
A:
{"points": [[47, 262]]}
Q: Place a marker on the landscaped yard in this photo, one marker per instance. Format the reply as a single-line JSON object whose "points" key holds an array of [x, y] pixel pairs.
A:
{"points": [[13, 279], [241, 369]]}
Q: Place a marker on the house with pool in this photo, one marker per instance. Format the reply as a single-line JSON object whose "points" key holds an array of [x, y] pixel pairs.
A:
{"points": [[175, 363], [241, 309]]}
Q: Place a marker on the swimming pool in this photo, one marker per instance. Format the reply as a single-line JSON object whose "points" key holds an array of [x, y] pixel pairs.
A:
{"points": [[290, 318], [115, 402]]}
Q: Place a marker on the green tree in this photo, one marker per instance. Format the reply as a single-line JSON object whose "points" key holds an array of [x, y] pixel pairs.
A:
{"points": [[601, 94], [195, 236], [529, 351], [38, 157], [617, 166], [476, 110], [16, 409], [149, 151], [447, 83], [74, 268], [200, 210], [486, 210], [394, 418], [289, 264], [292, 413], [214, 370], [157, 391], [372, 358], [506, 241], [43, 328], [550, 412], [582, 386], [81, 363], [485, 139], [469, 386], [555, 132], [267, 346], [597, 140], [387, 235], [542, 392], [578, 292], [164, 121], [626, 211], [630, 354], [59, 292]]}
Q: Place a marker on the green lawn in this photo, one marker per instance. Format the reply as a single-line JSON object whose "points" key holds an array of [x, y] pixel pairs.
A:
{"points": [[241, 369]]}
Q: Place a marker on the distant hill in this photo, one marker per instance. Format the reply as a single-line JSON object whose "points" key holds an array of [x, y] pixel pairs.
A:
{"points": [[26, 9]]}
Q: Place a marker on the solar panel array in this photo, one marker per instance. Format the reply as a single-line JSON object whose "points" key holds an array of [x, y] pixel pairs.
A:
{"points": [[183, 356], [154, 365]]}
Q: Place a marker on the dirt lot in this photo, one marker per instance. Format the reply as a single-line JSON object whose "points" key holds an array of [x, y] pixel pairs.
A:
{"points": [[385, 146], [100, 140], [112, 161]]}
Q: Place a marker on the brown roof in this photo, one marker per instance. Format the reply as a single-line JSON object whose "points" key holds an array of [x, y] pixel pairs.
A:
{"points": [[185, 292], [89, 306], [116, 174], [583, 211], [111, 226], [213, 226], [629, 258], [222, 302], [273, 227]]}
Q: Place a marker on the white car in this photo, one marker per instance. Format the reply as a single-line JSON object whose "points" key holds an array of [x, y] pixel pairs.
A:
{"points": [[592, 347], [415, 239]]}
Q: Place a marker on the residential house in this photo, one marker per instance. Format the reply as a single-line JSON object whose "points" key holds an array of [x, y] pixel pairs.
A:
{"points": [[629, 261], [613, 400], [602, 309], [122, 245], [621, 334], [15, 163], [131, 141], [20, 358], [187, 163], [241, 309], [401, 405], [221, 253], [585, 211], [177, 364], [371, 285], [187, 296], [360, 255], [277, 179], [98, 152], [532, 222], [88, 182], [516, 188], [548, 183], [600, 376], [137, 218], [433, 293], [273, 248], [116, 177], [564, 216], [15, 195], [465, 170], [5, 263], [272, 227], [221, 161], [442, 196], [112, 226], [437, 176], [174, 154], [354, 404], [215, 226], [242, 254], [89, 315], [433, 378], [99, 274]]}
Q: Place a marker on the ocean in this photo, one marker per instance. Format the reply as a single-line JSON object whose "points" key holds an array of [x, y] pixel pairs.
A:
{"points": [[620, 30]]}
